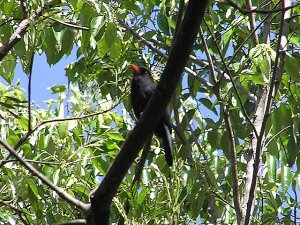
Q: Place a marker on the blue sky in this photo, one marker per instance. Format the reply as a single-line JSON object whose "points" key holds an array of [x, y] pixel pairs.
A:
{"points": [[43, 77]]}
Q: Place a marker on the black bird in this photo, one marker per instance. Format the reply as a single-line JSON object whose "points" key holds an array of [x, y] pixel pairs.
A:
{"points": [[142, 88]]}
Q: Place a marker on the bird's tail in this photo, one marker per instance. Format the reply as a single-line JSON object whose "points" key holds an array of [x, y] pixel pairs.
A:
{"points": [[167, 142]]}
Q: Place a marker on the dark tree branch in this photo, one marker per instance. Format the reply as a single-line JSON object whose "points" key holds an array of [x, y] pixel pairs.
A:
{"points": [[179, 54], [179, 17], [23, 26]]}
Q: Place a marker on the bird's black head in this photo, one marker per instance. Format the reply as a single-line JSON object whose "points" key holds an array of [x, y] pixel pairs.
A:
{"points": [[139, 70]]}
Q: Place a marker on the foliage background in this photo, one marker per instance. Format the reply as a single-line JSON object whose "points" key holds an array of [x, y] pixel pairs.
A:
{"points": [[220, 95]]}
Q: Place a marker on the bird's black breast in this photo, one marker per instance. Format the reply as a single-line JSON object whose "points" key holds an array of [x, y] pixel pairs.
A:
{"points": [[142, 88]]}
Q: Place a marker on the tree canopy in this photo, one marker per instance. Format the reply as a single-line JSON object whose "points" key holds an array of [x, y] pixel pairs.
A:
{"points": [[231, 85]]}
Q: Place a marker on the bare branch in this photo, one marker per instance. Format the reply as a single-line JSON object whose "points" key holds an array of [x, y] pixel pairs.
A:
{"points": [[74, 222], [252, 22], [275, 81], [23, 26], [261, 11], [18, 211], [71, 25], [64, 195]]}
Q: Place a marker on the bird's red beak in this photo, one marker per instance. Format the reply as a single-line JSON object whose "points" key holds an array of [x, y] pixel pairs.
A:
{"points": [[135, 68]]}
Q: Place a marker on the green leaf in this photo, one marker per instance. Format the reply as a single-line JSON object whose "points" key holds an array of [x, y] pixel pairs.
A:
{"points": [[49, 44], [286, 177], [116, 49], [7, 67], [225, 145], [58, 34], [20, 48], [271, 163], [188, 117], [96, 25], [142, 195], [163, 23], [214, 139], [110, 34], [116, 136], [252, 76], [208, 104], [265, 68], [8, 7], [33, 187], [23, 121], [85, 41], [63, 129], [12, 139], [227, 39], [292, 149], [294, 39], [68, 41], [58, 89], [292, 67]]}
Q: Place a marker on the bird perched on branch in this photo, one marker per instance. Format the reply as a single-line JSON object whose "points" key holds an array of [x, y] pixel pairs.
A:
{"points": [[142, 88]]}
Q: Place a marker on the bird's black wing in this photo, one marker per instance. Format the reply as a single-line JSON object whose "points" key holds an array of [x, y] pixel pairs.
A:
{"points": [[142, 89]]}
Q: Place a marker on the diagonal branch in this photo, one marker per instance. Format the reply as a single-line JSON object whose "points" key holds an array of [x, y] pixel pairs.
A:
{"points": [[71, 25], [179, 54], [261, 11], [23, 26], [45, 180]]}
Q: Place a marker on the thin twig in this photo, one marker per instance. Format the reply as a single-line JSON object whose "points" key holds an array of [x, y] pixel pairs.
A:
{"points": [[6, 22], [24, 138], [71, 25], [261, 11], [12, 207], [231, 79], [154, 49], [252, 22], [63, 194], [23, 26]]}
